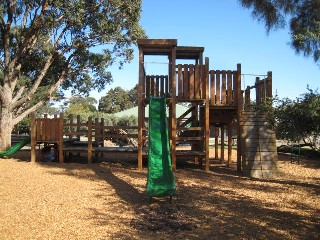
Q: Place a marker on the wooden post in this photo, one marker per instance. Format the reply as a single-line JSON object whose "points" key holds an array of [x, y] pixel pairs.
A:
{"points": [[229, 86], [140, 107], [216, 142], [172, 75], [96, 135], [222, 143], [78, 126], [223, 88], [218, 92], [207, 123], [90, 140], [33, 133], [212, 87], [78, 130], [60, 141], [239, 108], [102, 133], [72, 130], [229, 143]]}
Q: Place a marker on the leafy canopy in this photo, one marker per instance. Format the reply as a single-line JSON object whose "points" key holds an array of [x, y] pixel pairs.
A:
{"points": [[299, 119], [45, 44], [118, 99]]}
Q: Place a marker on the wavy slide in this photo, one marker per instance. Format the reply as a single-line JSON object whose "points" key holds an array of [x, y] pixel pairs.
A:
{"points": [[16, 147], [160, 180]]}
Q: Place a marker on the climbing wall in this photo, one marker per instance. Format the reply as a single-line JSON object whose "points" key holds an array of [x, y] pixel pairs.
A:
{"points": [[258, 145]]}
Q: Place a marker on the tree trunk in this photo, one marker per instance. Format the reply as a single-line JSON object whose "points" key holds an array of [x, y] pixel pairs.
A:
{"points": [[6, 128]]}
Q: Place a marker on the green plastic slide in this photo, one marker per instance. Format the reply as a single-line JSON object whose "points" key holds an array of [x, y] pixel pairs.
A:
{"points": [[16, 147], [160, 180]]}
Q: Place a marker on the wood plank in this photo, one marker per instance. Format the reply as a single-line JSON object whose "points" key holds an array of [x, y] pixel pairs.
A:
{"points": [[229, 88], [157, 90], [60, 142], [212, 87], [204, 83], [180, 81], [192, 77], [162, 79], [216, 143], [89, 140], [166, 86], [186, 77], [222, 143], [152, 86], [33, 132], [38, 129], [148, 86], [235, 88], [197, 82], [223, 88], [218, 86]]}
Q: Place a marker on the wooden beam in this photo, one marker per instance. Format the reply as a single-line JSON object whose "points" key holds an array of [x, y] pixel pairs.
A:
{"points": [[33, 132], [173, 108], [140, 107], [205, 77]]}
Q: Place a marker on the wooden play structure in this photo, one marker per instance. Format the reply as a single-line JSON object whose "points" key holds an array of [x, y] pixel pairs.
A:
{"points": [[215, 103], [215, 99], [70, 135]]}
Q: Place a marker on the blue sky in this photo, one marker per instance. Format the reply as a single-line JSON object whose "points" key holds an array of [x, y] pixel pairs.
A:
{"points": [[229, 35]]}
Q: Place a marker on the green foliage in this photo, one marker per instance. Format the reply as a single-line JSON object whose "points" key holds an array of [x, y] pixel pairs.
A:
{"points": [[304, 21], [45, 45], [300, 119], [23, 126], [79, 105], [118, 99]]}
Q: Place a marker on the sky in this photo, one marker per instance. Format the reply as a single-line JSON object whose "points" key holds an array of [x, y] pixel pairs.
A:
{"points": [[229, 35]]}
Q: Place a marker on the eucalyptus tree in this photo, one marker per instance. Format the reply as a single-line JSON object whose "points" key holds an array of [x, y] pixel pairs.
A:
{"points": [[47, 46]]}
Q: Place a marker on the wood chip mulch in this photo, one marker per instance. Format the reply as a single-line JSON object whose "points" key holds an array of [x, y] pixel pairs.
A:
{"points": [[107, 200]]}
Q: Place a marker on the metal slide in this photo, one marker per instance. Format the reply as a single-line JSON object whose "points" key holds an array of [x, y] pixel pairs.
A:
{"points": [[160, 180]]}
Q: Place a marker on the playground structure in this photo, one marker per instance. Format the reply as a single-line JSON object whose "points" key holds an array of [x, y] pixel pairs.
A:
{"points": [[216, 102], [215, 99]]}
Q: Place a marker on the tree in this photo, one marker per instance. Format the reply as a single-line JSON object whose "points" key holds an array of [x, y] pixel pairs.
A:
{"points": [[133, 95], [299, 120], [47, 46], [78, 105], [116, 100], [304, 21]]}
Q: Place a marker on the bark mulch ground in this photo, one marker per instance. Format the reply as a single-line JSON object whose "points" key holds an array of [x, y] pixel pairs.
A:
{"points": [[107, 201]]}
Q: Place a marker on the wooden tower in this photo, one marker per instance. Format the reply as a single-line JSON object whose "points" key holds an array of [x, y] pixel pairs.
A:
{"points": [[214, 97]]}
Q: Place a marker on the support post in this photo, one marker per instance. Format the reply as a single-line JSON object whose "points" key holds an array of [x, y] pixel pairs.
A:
{"points": [[207, 123], [239, 108], [229, 143], [140, 108], [222, 144], [90, 140], [60, 144], [33, 138], [216, 143], [172, 75]]}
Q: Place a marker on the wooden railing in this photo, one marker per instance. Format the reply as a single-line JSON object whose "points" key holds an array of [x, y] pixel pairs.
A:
{"points": [[190, 83], [263, 89], [157, 85], [223, 88]]}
